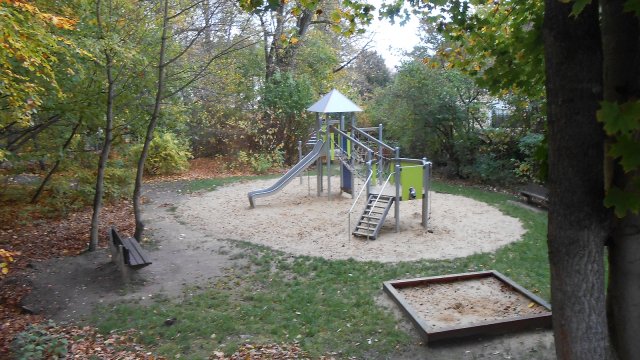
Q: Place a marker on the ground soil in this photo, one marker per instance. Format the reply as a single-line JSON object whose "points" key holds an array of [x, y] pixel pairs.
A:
{"points": [[188, 244]]}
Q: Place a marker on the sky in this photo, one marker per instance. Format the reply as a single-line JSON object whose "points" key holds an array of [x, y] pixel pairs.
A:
{"points": [[391, 40]]}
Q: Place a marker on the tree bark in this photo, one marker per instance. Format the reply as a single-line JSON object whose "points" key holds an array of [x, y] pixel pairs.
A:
{"points": [[153, 121], [620, 36], [577, 218], [55, 166], [108, 137]]}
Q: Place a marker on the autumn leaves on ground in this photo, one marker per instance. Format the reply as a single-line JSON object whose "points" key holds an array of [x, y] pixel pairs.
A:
{"points": [[34, 236]]}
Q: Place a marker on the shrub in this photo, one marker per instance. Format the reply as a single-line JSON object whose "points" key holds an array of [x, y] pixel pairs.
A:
{"points": [[36, 342], [529, 167], [260, 163], [491, 170], [167, 155]]}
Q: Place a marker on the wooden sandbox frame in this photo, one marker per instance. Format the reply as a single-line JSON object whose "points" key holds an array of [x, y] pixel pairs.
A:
{"points": [[492, 327]]}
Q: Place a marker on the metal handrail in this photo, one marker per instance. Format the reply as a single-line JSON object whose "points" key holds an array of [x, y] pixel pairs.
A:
{"points": [[364, 186], [373, 205], [361, 190], [381, 191], [371, 138], [333, 128]]}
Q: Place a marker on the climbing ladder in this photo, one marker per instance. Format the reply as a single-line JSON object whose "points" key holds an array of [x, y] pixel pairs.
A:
{"points": [[373, 216]]}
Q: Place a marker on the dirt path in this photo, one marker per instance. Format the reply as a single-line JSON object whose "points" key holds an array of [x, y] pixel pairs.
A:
{"points": [[186, 251], [67, 289]]}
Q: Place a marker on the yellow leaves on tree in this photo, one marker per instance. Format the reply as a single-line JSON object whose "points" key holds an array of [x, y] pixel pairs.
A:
{"points": [[29, 36], [57, 21]]}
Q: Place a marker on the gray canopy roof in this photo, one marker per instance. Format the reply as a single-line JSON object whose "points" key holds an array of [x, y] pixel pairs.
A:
{"points": [[334, 102]]}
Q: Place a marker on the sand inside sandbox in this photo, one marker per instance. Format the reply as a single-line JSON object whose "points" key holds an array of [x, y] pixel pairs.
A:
{"points": [[296, 221], [467, 302]]}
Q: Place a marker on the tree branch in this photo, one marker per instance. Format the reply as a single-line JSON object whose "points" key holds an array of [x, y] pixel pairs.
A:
{"points": [[364, 48]]}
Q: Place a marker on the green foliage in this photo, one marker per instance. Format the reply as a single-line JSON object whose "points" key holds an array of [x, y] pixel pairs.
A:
{"points": [[31, 44], [261, 163], [529, 146], [432, 112], [285, 99], [285, 95], [36, 342], [490, 169], [621, 122], [623, 201], [316, 60], [167, 155], [222, 119], [497, 42]]}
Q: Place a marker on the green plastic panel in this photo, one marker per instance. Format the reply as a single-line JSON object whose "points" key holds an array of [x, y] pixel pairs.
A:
{"points": [[411, 176]]}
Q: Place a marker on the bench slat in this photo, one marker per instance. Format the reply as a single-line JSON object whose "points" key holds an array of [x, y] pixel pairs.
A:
{"points": [[537, 192], [136, 256]]}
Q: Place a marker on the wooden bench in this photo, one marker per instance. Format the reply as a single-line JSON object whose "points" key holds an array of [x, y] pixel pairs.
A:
{"points": [[127, 254], [534, 193]]}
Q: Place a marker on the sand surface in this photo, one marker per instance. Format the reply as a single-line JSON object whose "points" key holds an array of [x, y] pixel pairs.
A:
{"points": [[467, 302], [296, 221]]}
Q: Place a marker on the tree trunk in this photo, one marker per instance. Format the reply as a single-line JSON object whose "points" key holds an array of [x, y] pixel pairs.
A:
{"points": [[620, 35], [153, 121], [55, 166], [577, 218], [106, 148]]}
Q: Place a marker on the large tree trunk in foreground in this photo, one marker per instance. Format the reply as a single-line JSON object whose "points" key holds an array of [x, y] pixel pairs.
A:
{"points": [[577, 218], [621, 35]]}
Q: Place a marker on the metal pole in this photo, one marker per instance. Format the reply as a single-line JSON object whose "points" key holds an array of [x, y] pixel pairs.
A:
{"points": [[342, 142], [397, 205], [319, 161], [328, 161], [380, 155], [425, 192], [351, 149], [300, 157], [369, 166]]}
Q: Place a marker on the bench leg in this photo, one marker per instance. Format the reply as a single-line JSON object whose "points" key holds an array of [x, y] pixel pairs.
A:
{"points": [[124, 269]]}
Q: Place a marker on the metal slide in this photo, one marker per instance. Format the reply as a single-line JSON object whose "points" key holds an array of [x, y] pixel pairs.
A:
{"points": [[317, 151]]}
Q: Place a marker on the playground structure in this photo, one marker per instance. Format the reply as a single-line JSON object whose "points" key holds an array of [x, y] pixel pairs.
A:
{"points": [[388, 178]]}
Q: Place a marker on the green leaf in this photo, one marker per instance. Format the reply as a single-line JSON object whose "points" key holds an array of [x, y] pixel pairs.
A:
{"points": [[632, 6], [622, 201], [616, 118], [579, 6], [628, 150]]}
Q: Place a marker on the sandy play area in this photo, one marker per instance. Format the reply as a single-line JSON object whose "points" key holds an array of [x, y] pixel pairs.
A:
{"points": [[467, 302], [296, 221]]}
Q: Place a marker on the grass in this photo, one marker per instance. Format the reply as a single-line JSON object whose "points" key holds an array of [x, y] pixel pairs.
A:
{"points": [[326, 306], [212, 184]]}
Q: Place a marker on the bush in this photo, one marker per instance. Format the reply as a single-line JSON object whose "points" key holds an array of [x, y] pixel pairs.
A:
{"points": [[491, 170], [529, 167], [262, 162], [36, 342], [167, 155]]}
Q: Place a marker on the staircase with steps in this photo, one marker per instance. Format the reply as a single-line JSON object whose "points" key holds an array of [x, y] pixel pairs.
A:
{"points": [[373, 216]]}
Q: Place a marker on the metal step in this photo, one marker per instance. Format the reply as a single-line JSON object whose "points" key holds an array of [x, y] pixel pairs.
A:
{"points": [[372, 237], [372, 218]]}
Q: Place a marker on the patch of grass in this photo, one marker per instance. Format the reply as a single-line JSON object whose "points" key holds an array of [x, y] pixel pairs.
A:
{"points": [[326, 306], [212, 184]]}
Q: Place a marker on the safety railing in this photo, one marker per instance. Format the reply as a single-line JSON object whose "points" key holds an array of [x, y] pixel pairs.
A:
{"points": [[355, 201]]}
